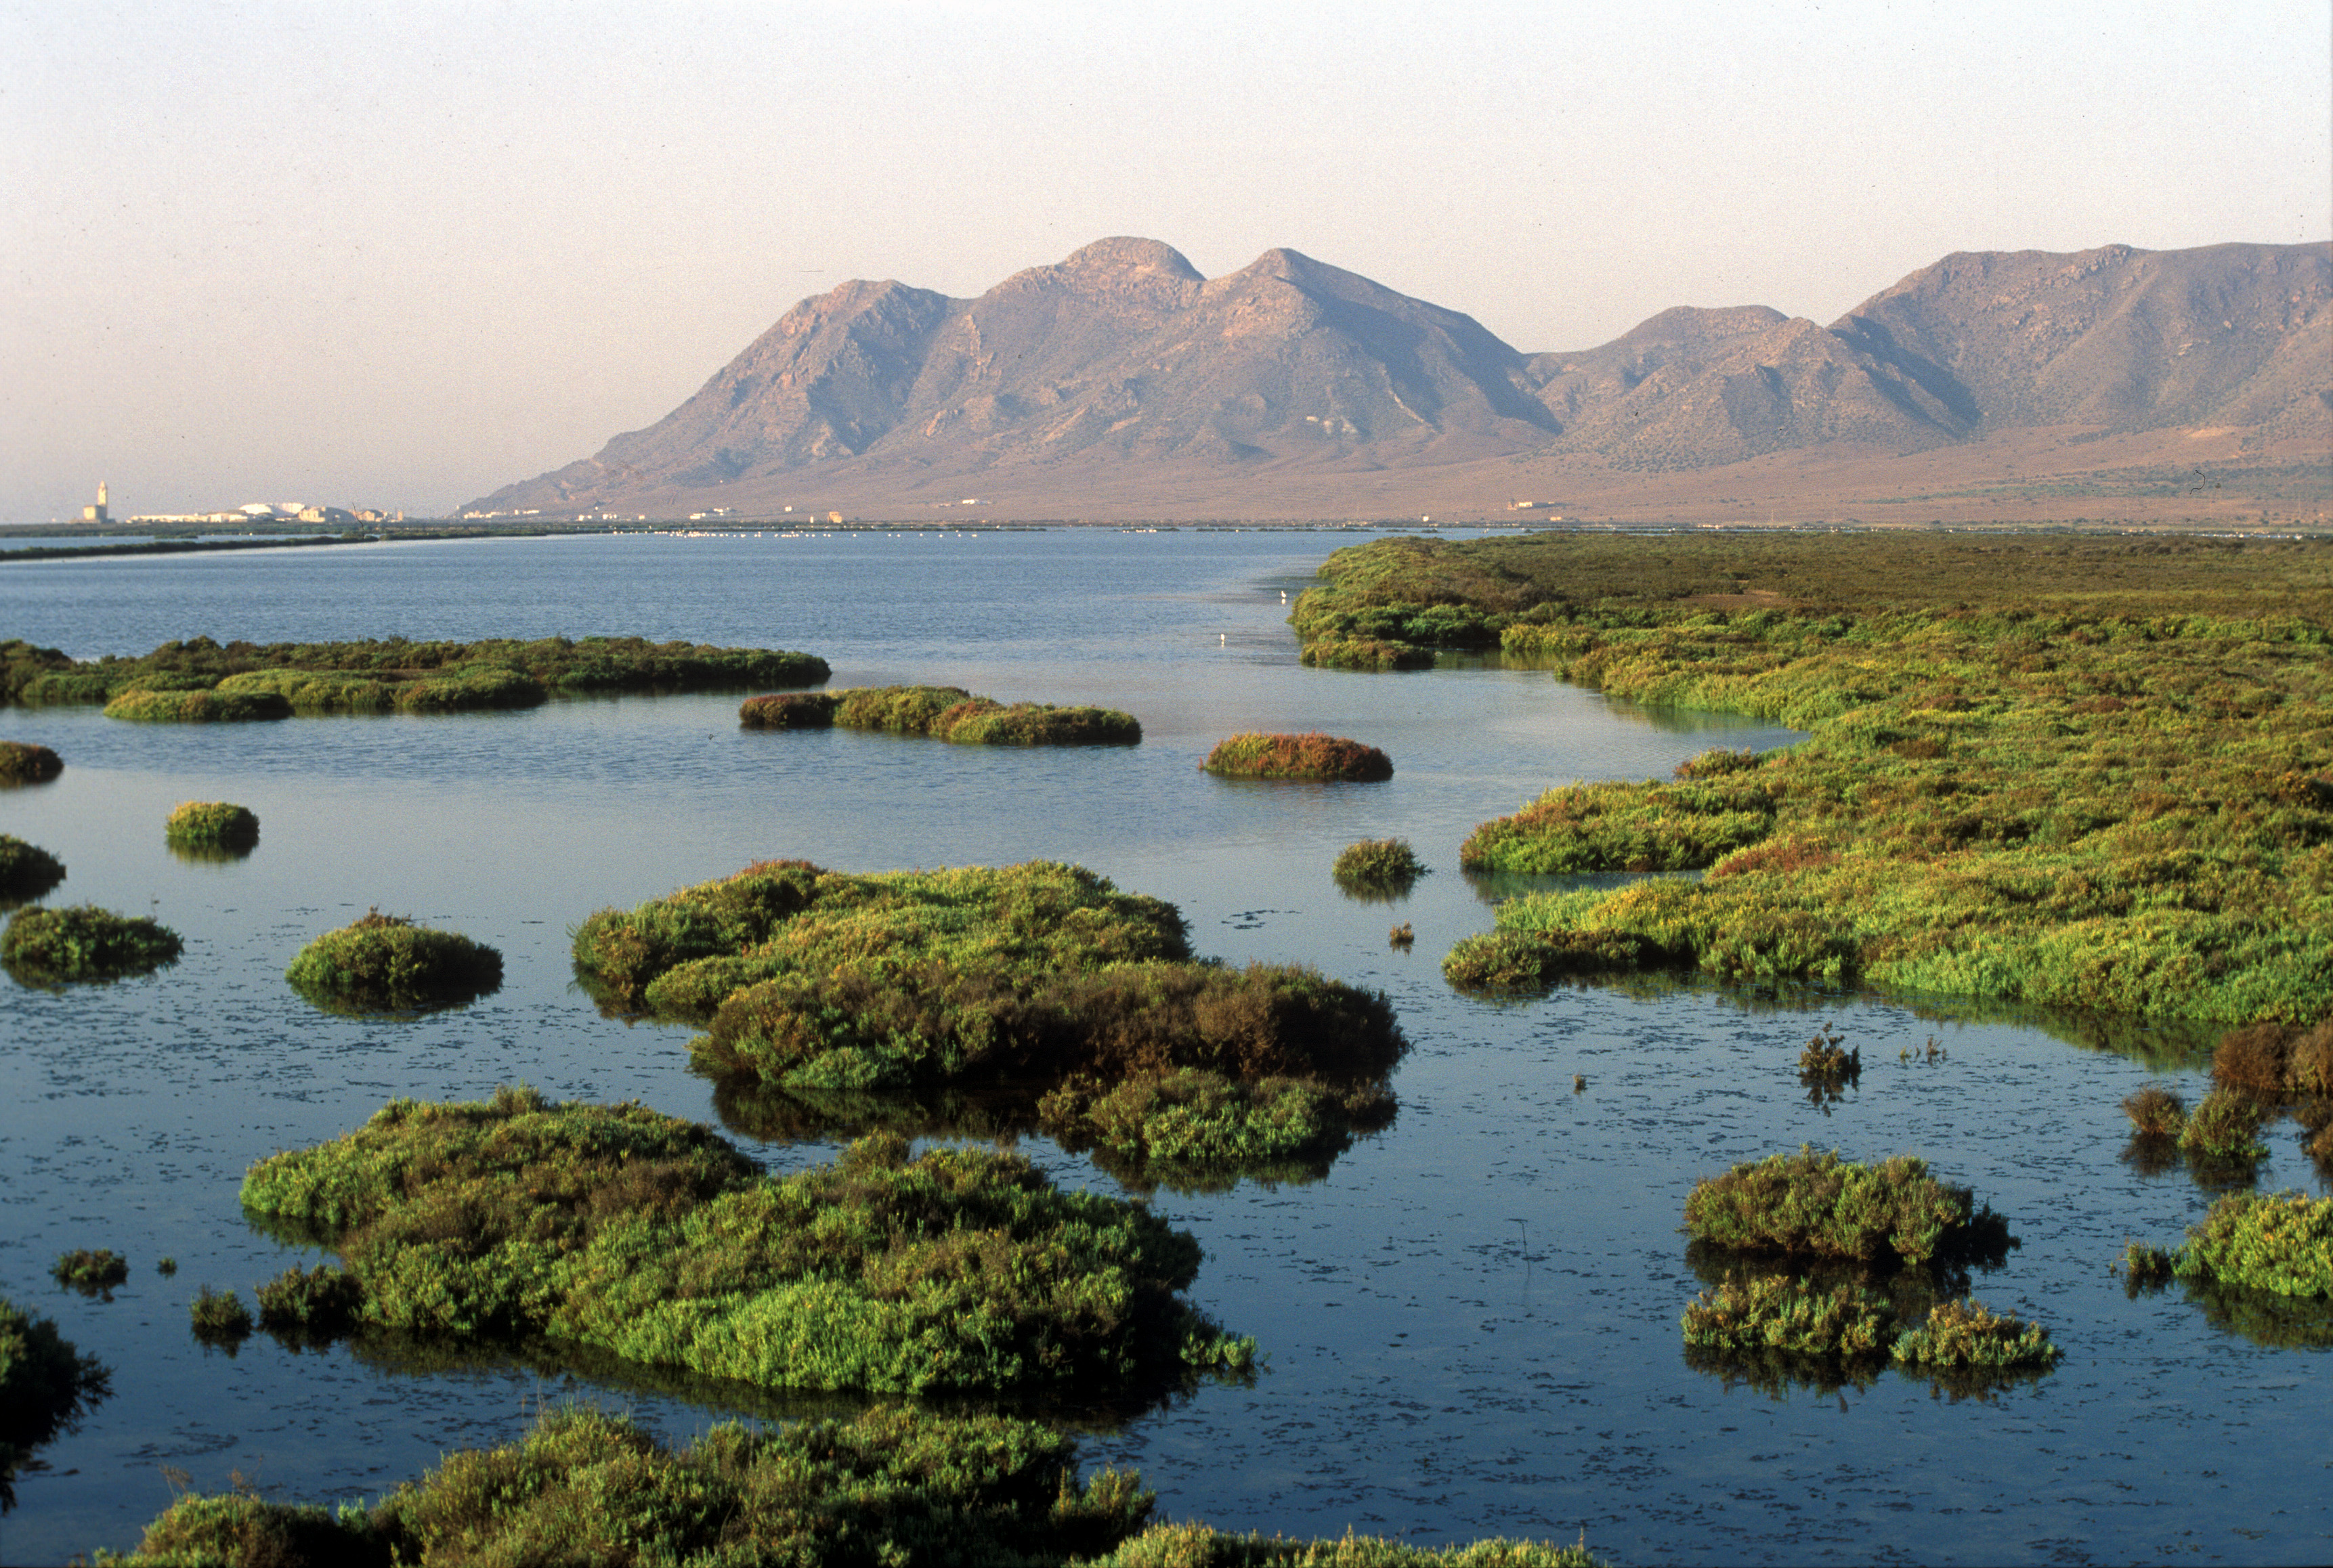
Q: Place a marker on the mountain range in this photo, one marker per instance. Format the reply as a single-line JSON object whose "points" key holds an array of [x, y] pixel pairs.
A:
{"points": [[1119, 381]]}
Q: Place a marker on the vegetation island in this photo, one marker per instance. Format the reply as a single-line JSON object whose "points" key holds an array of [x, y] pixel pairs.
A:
{"points": [[1040, 982], [2090, 772], [201, 679], [50, 947], [943, 712], [386, 963]]}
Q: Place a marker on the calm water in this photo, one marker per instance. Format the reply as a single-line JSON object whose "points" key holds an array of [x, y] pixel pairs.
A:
{"points": [[1472, 1321]]}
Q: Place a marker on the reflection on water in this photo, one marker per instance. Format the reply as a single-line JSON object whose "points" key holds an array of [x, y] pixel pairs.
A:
{"points": [[1432, 1374]]}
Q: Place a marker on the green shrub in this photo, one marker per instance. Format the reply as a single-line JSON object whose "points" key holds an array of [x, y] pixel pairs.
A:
{"points": [[90, 1272], [212, 822], [652, 1239], [1778, 1314], [83, 942], [26, 870], [200, 707], [219, 1317], [45, 1387], [22, 762], [1967, 1335], [318, 692], [2156, 1111], [788, 710], [2282, 1245], [1311, 755], [2224, 1127], [470, 688], [384, 962], [318, 1302], [1191, 1116], [1367, 653], [1377, 867], [1817, 1205]]}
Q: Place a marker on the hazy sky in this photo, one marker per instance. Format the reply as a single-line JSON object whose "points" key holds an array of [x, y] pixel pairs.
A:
{"points": [[402, 255]]}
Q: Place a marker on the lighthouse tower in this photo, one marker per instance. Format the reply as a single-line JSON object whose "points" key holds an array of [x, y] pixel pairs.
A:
{"points": [[97, 513]]}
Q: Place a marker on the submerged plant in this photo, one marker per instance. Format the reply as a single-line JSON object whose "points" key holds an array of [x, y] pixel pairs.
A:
{"points": [[46, 1386], [1378, 867], [220, 822], [90, 1272], [22, 762], [652, 1239], [26, 871], [85, 944], [384, 962], [1312, 756]]}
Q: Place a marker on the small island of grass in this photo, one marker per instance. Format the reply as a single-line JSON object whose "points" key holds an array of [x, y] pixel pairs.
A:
{"points": [[22, 762], [617, 1227], [1813, 1204], [27, 871], [211, 825], [1311, 756], [386, 963], [200, 680], [83, 944], [1376, 868], [943, 712], [1020, 978]]}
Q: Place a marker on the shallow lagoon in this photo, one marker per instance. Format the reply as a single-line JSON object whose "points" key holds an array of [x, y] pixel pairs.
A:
{"points": [[1472, 1321]]}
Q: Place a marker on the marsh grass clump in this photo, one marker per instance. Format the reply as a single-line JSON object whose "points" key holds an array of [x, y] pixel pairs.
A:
{"points": [[651, 1237], [2255, 1061], [1197, 1545], [1776, 1313], [2224, 1127], [1187, 1117], [219, 1318], [947, 714], [212, 824], [1402, 937], [27, 871], [23, 762], [314, 1304], [46, 1386], [1376, 868], [199, 707], [1815, 1205], [2146, 1268], [788, 710], [2156, 1111], [1312, 757], [2281, 1244], [1969, 1336], [90, 1272], [384, 962], [83, 944], [1826, 1071]]}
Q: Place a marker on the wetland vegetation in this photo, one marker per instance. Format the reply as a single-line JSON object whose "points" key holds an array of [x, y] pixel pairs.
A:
{"points": [[652, 1238], [892, 1485], [1038, 980], [46, 947], [1311, 756], [199, 679], [211, 825], [2090, 772], [46, 1386], [89, 1271], [943, 712], [1376, 868], [22, 762], [386, 963]]}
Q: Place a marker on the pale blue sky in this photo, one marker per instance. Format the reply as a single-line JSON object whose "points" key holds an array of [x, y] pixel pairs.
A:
{"points": [[401, 256]]}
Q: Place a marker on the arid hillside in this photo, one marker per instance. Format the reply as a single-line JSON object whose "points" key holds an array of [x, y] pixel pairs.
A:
{"points": [[1120, 383]]}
